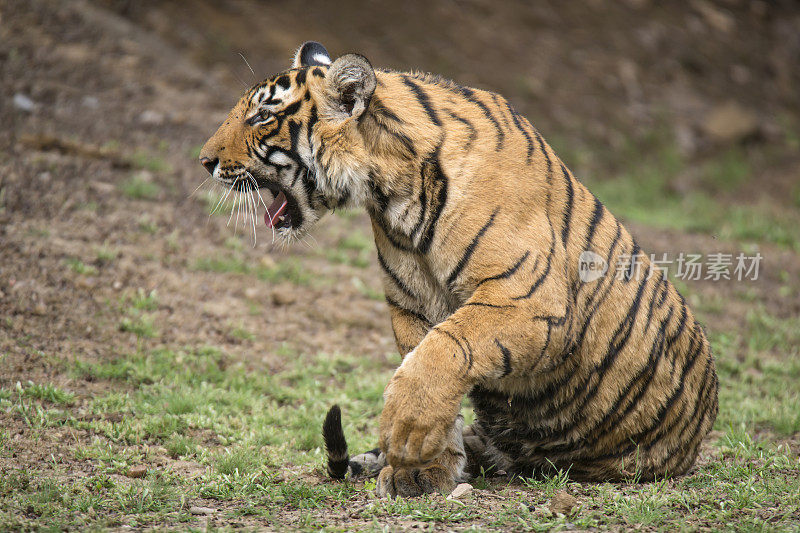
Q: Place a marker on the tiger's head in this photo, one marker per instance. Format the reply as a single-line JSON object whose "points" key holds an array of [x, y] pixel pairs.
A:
{"points": [[295, 134]]}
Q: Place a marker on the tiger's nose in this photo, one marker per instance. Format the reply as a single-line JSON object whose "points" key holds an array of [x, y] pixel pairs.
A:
{"points": [[210, 164]]}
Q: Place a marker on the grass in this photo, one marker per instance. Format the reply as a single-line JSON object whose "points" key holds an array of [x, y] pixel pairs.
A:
{"points": [[253, 436], [139, 188], [643, 190], [234, 263], [240, 436], [79, 267]]}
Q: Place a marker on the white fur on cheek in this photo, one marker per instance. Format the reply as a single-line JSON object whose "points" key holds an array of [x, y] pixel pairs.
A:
{"points": [[281, 159]]}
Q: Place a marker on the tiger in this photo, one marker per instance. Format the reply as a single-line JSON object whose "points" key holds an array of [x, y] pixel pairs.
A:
{"points": [[480, 232]]}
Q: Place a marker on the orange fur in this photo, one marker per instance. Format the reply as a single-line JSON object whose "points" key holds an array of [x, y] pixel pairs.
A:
{"points": [[478, 227]]}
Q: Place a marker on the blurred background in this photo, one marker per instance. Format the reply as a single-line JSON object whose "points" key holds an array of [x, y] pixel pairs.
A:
{"points": [[136, 328]]}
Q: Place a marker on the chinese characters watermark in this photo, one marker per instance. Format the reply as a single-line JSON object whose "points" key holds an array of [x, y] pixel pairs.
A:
{"points": [[687, 266]]}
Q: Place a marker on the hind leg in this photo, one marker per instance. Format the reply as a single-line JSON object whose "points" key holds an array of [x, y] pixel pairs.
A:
{"points": [[480, 460], [441, 475]]}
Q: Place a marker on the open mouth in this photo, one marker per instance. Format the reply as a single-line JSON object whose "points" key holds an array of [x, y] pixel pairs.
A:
{"points": [[282, 212]]}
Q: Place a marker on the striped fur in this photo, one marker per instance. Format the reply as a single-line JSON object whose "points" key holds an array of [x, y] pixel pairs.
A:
{"points": [[479, 226]]}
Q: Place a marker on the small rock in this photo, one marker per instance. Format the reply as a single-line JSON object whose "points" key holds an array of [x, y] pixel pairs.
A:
{"points": [[196, 510], [90, 101], [23, 103], [117, 285], [40, 309], [137, 471], [85, 283], [251, 293], [563, 503], [151, 117], [283, 297], [730, 122], [462, 489], [268, 262]]}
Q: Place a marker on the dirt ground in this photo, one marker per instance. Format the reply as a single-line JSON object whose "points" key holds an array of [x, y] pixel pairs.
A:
{"points": [[104, 105]]}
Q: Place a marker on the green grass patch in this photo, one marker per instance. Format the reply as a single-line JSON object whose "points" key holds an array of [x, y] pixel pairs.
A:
{"points": [[139, 188], [79, 267], [141, 325], [285, 270], [643, 191]]}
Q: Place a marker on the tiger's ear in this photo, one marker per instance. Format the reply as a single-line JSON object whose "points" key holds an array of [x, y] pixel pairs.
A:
{"points": [[351, 82], [311, 54]]}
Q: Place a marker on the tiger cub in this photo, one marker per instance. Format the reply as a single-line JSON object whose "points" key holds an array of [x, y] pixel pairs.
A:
{"points": [[480, 231]]}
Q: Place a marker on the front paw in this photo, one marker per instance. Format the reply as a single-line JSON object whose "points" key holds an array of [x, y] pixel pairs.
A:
{"points": [[411, 482], [417, 416]]}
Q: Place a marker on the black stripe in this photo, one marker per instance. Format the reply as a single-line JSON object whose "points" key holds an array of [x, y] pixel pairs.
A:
{"points": [[397, 281], [681, 324], [467, 357], [381, 111], [423, 99], [437, 177], [633, 264], [415, 314], [283, 81], [597, 216], [546, 271], [515, 118], [469, 94], [506, 358], [509, 272], [473, 133], [544, 150], [470, 249], [469, 352], [496, 101], [312, 119], [318, 72], [567, 217], [294, 132], [300, 78], [484, 304], [291, 109]]}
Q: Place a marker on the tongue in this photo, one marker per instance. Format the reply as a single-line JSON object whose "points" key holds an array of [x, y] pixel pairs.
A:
{"points": [[275, 210]]}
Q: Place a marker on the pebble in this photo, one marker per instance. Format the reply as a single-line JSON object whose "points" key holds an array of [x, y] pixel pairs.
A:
{"points": [[196, 510], [137, 471], [23, 103], [563, 503], [90, 101], [281, 297], [151, 117], [462, 489]]}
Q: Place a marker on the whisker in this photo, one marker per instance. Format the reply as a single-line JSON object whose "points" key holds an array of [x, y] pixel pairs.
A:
{"points": [[248, 64], [198, 187], [253, 215], [238, 211], [222, 199], [233, 206]]}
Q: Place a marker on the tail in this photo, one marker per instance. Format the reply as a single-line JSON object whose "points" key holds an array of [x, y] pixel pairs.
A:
{"points": [[367, 464], [335, 443]]}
